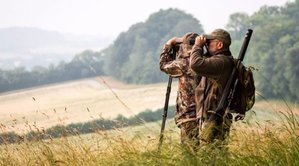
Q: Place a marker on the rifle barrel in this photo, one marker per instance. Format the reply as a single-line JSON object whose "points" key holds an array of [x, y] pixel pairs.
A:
{"points": [[230, 82], [245, 45]]}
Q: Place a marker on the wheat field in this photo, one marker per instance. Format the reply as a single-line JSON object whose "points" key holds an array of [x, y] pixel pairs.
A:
{"points": [[268, 136], [78, 101]]}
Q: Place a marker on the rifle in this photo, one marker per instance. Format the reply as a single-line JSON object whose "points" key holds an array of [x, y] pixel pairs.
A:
{"points": [[210, 127], [232, 81], [172, 52]]}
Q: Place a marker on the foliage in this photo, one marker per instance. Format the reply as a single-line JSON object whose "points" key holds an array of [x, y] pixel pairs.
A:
{"points": [[273, 49], [134, 56], [10, 137], [85, 64], [59, 131]]}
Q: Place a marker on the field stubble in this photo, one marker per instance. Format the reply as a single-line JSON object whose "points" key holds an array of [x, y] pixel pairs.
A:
{"points": [[268, 135], [78, 101]]}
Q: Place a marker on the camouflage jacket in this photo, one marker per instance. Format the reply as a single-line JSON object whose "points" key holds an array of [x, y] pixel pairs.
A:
{"points": [[178, 67]]}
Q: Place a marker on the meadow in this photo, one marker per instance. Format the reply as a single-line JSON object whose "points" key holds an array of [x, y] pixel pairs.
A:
{"points": [[78, 101], [268, 135]]}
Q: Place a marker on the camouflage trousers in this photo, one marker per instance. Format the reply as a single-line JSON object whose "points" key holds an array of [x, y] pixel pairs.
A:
{"points": [[189, 135]]}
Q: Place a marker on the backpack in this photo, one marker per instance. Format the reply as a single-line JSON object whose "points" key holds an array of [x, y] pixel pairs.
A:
{"points": [[243, 97]]}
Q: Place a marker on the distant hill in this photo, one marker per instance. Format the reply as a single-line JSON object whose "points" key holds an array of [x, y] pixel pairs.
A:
{"points": [[133, 57], [28, 47]]}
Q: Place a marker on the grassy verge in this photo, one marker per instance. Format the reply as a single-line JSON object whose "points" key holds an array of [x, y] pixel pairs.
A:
{"points": [[262, 139]]}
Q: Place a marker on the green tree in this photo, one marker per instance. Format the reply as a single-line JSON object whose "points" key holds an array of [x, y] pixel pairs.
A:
{"points": [[237, 25], [273, 48], [134, 56], [292, 67]]}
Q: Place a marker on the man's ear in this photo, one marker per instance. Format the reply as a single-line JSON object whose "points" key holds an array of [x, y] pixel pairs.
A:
{"points": [[219, 45]]}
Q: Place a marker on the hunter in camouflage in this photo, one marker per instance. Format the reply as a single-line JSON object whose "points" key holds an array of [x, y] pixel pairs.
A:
{"points": [[178, 67]]}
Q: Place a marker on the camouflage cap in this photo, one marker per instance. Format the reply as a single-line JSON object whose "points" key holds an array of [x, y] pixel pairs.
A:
{"points": [[221, 35], [189, 38]]}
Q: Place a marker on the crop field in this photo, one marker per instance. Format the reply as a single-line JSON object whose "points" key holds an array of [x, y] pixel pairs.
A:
{"points": [[268, 136], [78, 101]]}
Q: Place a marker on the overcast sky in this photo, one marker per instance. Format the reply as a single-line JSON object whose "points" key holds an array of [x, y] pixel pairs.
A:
{"points": [[110, 17]]}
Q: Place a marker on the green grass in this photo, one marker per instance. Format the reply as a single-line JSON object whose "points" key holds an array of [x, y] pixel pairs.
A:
{"points": [[264, 138]]}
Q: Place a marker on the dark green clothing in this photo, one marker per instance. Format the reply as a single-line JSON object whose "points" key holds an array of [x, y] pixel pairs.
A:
{"points": [[215, 71]]}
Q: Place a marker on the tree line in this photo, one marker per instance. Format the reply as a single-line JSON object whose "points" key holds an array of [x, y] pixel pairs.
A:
{"points": [[134, 56], [83, 65], [84, 128], [274, 49]]}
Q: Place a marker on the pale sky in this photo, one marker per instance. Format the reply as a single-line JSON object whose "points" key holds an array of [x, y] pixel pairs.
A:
{"points": [[110, 17]]}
